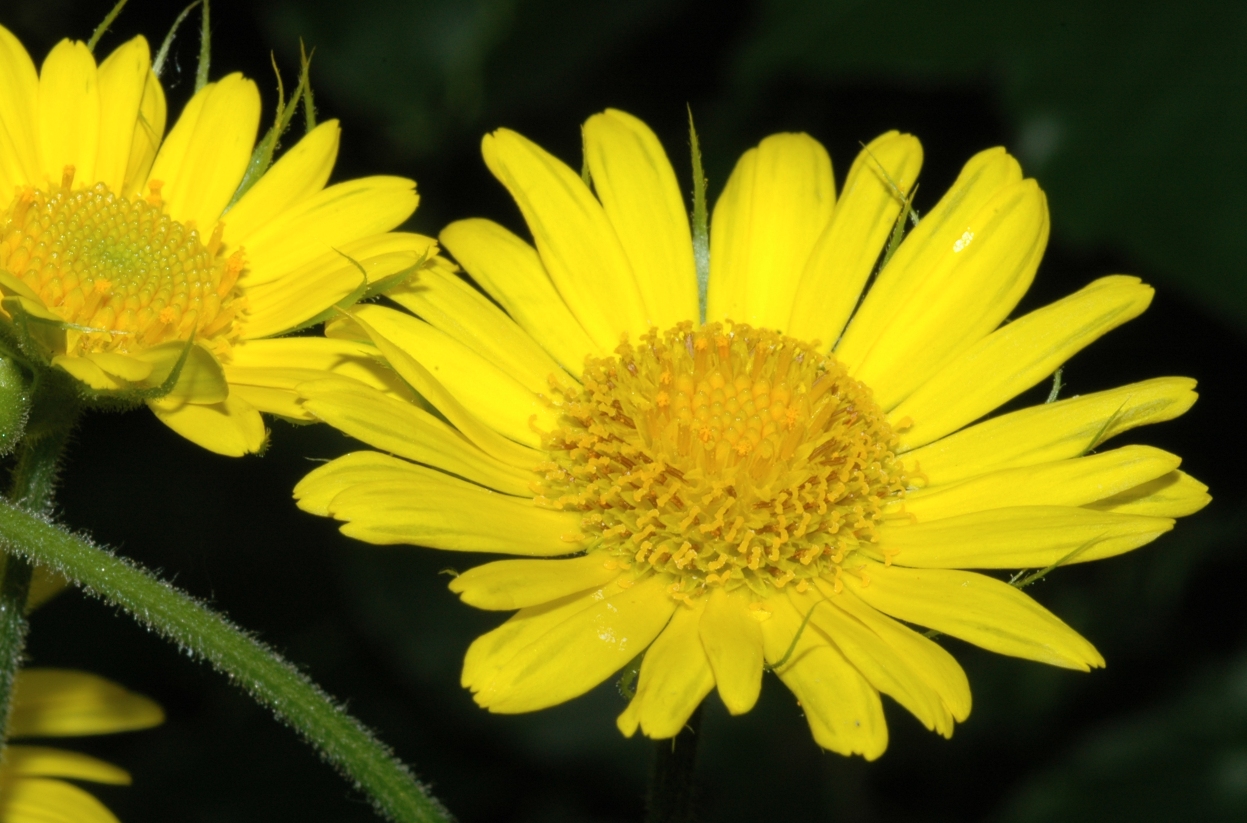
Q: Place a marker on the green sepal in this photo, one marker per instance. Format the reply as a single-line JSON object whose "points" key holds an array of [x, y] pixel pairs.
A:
{"points": [[104, 25], [162, 54]]}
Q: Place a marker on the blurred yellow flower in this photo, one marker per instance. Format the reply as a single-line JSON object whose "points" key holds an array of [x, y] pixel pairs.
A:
{"points": [[787, 485], [119, 245]]}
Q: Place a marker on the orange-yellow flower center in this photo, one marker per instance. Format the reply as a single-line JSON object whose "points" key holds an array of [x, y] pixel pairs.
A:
{"points": [[118, 271], [724, 456]]}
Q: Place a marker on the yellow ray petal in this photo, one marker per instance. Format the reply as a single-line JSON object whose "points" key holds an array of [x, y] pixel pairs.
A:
{"points": [[120, 365], [637, 186], [675, 678], [69, 112], [772, 210], [1176, 494], [60, 702], [510, 270], [452, 306], [843, 710], [402, 428], [202, 162], [232, 428], [149, 132], [1018, 537], [299, 173], [47, 762], [1017, 356], [732, 640], [201, 380], [933, 664], [930, 242], [517, 584], [87, 371], [978, 609], [1054, 431], [122, 80], [882, 666], [19, 96], [576, 241], [847, 250], [317, 490], [582, 651], [36, 800], [425, 507], [1073, 482], [494, 396]]}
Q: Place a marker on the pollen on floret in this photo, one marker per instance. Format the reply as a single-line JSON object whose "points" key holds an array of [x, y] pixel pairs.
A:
{"points": [[723, 456], [122, 274]]}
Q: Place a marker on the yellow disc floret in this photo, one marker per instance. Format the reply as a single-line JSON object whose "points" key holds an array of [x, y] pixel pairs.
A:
{"points": [[723, 455], [119, 271]]}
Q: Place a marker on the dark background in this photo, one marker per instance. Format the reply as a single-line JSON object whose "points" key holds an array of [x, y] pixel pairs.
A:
{"points": [[1132, 117]]}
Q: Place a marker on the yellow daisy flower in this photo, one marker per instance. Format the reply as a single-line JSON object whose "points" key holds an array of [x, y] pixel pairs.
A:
{"points": [[789, 484], [120, 245], [60, 703]]}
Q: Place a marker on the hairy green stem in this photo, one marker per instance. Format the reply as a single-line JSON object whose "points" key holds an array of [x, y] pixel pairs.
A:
{"points": [[672, 792], [53, 416], [341, 739]]}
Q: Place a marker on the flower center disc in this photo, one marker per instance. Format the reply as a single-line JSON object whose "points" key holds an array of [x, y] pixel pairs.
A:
{"points": [[724, 455], [122, 273]]}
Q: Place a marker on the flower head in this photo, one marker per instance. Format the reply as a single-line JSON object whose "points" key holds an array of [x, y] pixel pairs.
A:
{"points": [[152, 266], [784, 484], [60, 703]]}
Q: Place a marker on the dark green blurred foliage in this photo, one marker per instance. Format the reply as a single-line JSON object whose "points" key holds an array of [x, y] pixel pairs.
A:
{"points": [[1130, 115]]}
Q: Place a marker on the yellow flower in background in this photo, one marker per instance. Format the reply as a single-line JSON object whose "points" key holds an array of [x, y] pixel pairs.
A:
{"points": [[788, 485], [60, 703], [119, 245]]}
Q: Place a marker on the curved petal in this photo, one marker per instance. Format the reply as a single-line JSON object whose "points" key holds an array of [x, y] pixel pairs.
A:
{"points": [[516, 584], [149, 132], [675, 678], [732, 640], [19, 101], [297, 175], [576, 241], [315, 492], [37, 800], [122, 80], [1015, 357], [510, 270], [636, 184], [47, 762], [844, 256], [69, 112], [61, 703], [774, 207], [1176, 494], [232, 428], [201, 380]]}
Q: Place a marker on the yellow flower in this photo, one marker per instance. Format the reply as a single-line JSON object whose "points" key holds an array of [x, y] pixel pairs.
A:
{"points": [[787, 485], [119, 245], [59, 703]]}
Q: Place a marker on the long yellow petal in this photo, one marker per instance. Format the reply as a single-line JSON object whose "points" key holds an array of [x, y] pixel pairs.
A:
{"points": [[576, 241], [1018, 537], [1176, 494], [38, 800], [149, 132], [1054, 431], [637, 186], [203, 161], [846, 252], [299, 173], [425, 507], [201, 380], [582, 651], [1074, 482], [675, 678], [60, 703], [402, 428], [843, 710], [450, 305], [87, 371], [510, 270], [315, 492], [732, 640], [19, 101], [929, 244], [47, 762], [882, 666], [1015, 357], [517, 584], [978, 609], [232, 428], [774, 207], [122, 79], [69, 112]]}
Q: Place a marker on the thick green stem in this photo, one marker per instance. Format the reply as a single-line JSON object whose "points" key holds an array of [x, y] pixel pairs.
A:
{"points": [[341, 739], [53, 415], [672, 791]]}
